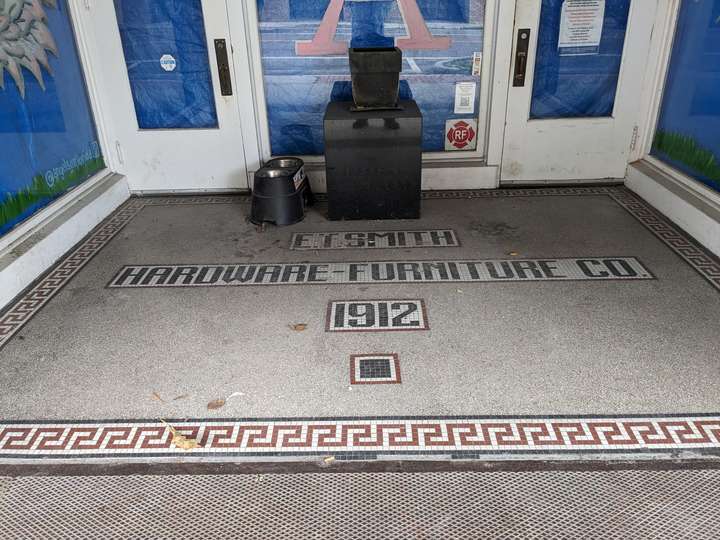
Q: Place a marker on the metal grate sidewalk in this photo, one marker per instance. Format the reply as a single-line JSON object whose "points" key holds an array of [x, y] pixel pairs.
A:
{"points": [[472, 505]]}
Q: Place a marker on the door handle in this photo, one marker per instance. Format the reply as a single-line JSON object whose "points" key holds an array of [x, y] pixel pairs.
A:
{"points": [[223, 65], [521, 56]]}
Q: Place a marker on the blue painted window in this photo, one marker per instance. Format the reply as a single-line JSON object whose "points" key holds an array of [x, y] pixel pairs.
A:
{"points": [[688, 131], [48, 142], [167, 61], [581, 83], [299, 86]]}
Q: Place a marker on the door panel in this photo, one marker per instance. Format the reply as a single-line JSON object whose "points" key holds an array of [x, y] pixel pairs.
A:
{"points": [[176, 130], [573, 117]]}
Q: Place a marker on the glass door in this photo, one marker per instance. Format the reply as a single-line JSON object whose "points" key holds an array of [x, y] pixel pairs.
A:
{"points": [[575, 86], [175, 94]]}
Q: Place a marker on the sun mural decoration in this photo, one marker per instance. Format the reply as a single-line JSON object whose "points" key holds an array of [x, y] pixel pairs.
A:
{"points": [[25, 40]]}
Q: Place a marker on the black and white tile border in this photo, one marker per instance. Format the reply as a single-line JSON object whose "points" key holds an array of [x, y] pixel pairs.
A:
{"points": [[29, 303], [369, 438]]}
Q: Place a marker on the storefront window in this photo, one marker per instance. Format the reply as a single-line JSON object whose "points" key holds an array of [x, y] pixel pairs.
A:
{"points": [[688, 131], [48, 141], [305, 64]]}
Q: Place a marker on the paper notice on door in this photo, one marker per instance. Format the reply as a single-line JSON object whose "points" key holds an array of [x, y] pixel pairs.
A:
{"points": [[581, 27], [465, 97]]}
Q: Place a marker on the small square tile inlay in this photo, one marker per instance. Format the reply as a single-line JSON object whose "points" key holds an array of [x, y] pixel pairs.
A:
{"points": [[375, 369]]}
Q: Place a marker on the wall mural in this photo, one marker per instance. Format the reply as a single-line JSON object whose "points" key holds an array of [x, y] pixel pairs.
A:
{"points": [[688, 131], [304, 53], [47, 133], [24, 40]]}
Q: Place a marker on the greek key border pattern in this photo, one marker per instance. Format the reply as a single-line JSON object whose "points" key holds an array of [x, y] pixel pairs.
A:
{"points": [[39, 294], [367, 438]]}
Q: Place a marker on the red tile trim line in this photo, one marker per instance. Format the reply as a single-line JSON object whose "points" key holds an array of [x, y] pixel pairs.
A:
{"points": [[280, 438]]}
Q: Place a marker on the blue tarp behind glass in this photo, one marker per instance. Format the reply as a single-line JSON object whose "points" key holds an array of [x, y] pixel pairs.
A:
{"points": [[688, 132], [567, 86], [298, 87], [48, 142], [174, 99]]}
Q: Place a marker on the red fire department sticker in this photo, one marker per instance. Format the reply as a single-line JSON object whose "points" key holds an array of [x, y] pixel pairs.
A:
{"points": [[461, 135]]}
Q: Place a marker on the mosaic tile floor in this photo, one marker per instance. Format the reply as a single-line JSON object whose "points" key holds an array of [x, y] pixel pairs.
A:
{"points": [[537, 322]]}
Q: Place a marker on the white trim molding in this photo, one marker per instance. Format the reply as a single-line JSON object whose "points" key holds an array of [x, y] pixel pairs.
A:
{"points": [[663, 38], [27, 252], [686, 202]]}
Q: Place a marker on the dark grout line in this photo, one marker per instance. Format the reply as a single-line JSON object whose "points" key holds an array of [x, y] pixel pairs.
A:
{"points": [[351, 467]]}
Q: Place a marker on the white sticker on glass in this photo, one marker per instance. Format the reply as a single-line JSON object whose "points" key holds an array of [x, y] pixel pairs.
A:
{"points": [[461, 134], [168, 62], [465, 97], [477, 64]]}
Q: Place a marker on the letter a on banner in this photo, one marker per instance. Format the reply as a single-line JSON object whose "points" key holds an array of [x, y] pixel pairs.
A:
{"points": [[419, 36], [325, 44]]}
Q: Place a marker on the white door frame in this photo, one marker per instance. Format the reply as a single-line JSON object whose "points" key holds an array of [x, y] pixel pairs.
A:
{"points": [[530, 155], [655, 75], [125, 146], [442, 170], [498, 58]]}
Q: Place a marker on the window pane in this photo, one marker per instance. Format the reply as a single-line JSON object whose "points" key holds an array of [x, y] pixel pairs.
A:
{"points": [[578, 77], [688, 132], [303, 71], [167, 61], [48, 142]]}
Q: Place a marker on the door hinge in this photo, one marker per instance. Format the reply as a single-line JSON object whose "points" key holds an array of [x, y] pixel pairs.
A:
{"points": [[635, 137], [118, 150]]}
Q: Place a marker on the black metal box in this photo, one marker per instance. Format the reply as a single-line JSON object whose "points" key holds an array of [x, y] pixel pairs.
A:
{"points": [[373, 162]]}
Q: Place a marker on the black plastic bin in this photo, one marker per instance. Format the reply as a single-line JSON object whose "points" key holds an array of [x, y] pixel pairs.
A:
{"points": [[280, 192], [375, 77]]}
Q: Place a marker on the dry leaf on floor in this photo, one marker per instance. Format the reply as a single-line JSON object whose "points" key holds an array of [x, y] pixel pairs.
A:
{"points": [[329, 460], [183, 396], [157, 397], [181, 441], [513, 254], [216, 404], [299, 327]]}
